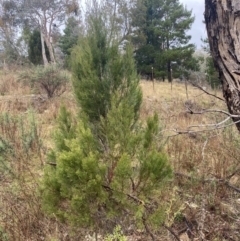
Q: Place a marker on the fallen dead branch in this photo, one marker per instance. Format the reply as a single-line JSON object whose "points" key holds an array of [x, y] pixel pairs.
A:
{"points": [[209, 180]]}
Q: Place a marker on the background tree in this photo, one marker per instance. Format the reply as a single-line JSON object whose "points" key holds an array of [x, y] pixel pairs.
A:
{"points": [[161, 36], [106, 168], [211, 72], [46, 15], [35, 48], [222, 27], [9, 23], [117, 16], [70, 36]]}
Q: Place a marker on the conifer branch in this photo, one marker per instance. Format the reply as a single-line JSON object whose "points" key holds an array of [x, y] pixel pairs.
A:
{"points": [[134, 198]]}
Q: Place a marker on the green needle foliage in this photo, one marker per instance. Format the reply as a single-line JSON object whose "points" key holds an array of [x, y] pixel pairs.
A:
{"points": [[107, 168], [116, 235], [160, 38], [99, 70], [69, 38], [212, 75]]}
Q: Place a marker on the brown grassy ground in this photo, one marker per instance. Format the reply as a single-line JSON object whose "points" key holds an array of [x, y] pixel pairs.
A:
{"points": [[206, 163], [204, 204]]}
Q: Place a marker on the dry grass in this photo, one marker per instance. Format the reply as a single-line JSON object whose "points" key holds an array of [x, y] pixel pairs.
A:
{"points": [[21, 216], [206, 165]]}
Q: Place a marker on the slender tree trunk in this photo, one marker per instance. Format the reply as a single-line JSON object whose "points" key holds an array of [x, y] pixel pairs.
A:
{"points": [[223, 27], [44, 56], [169, 67], [50, 49], [169, 70]]}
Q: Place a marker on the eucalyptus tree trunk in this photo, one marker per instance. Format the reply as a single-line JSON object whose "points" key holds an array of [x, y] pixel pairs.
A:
{"points": [[44, 56], [50, 49], [222, 19]]}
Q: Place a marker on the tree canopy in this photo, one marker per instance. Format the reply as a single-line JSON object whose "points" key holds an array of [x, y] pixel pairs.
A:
{"points": [[211, 72], [70, 37], [160, 37], [156, 28]]}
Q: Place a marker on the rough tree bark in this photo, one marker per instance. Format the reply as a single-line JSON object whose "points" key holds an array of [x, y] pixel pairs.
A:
{"points": [[222, 19]]}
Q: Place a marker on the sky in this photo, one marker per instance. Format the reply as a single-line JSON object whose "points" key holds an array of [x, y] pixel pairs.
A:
{"points": [[198, 28]]}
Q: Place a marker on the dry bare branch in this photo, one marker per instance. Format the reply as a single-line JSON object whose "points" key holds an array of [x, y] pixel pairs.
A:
{"points": [[148, 230], [172, 232], [209, 180], [203, 111], [205, 91], [208, 127]]}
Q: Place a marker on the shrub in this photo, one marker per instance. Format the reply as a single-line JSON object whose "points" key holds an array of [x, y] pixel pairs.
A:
{"points": [[106, 168], [19, 139], [50, 79], [99, 184], [21, 216]]}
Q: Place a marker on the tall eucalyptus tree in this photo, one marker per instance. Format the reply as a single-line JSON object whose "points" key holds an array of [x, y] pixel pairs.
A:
{"points": [[9, 24], [45, 15]]}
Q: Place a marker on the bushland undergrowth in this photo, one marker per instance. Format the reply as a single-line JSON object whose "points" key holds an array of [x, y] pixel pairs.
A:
{"points": [[204, 199]]}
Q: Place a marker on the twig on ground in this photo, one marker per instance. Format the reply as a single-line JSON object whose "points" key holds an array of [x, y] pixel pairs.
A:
{"points": [[52, 164], [147, 229], [232, 187], [172, 232], [220, 180]]}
